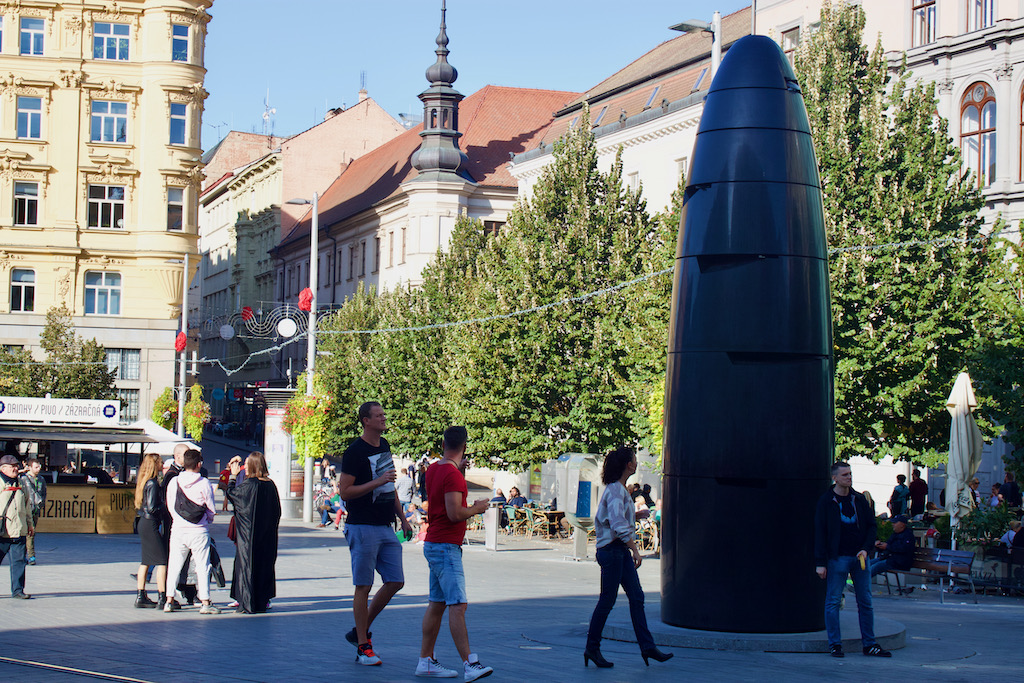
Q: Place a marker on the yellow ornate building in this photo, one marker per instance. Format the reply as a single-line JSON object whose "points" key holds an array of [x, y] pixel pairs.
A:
{"points": [[100, 164]]}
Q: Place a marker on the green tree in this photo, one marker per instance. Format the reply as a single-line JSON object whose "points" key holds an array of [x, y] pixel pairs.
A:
{"points": [[73, 367], [576, 376], [905, 317], [998, 365], [18, 376]]}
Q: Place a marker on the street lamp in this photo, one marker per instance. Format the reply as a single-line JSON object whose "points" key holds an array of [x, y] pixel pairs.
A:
{"points": [[307, 489], [714, 27]]}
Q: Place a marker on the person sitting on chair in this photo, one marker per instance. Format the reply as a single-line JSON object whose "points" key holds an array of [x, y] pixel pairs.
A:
{"points": [[516, 499], [898, 551], [334, 506]]}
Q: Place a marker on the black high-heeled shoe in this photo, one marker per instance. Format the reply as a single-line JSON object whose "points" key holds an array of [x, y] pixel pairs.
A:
{"points": [[597, 658], [655, 654]]}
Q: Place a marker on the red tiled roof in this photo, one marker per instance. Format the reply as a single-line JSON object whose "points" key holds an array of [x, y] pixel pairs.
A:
{"points": [[494, 121]]}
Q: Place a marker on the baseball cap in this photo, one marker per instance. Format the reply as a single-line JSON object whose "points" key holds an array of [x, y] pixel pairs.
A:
{"points": [[9, 460], [899, 518]]}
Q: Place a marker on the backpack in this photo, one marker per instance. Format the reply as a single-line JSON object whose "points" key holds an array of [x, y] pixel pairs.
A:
{"points": [[225, 477], [188, 509]]}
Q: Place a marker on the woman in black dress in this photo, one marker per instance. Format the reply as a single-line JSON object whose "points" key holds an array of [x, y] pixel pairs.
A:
{"points": [[150, 505], [257, 514]]}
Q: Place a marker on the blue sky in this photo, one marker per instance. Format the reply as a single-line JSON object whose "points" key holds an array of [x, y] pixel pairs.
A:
{"points": [[311, 53]]}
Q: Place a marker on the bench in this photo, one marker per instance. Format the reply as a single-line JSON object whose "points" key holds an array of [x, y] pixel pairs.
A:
{"points": [[941, 564]]}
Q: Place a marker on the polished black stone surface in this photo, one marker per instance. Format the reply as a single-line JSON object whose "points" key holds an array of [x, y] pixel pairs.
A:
{"points": [[749, 427]]}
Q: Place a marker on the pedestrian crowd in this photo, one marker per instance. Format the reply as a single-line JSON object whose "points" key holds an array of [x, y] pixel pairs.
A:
{"points": [[175, 506]]}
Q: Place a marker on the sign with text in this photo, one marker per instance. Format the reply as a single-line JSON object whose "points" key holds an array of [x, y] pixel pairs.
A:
{"points": [[69, 508], [115, 509], [59, 411]]}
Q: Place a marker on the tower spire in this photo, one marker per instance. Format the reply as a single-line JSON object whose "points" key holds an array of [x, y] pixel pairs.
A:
{"points": [[439, 156]]}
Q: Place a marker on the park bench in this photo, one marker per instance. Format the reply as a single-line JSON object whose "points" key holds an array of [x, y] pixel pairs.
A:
{"points": [[938, 563]]}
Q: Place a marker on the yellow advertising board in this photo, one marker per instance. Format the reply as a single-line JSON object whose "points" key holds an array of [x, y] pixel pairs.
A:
{"points": [[87, 509], [69, 509], [115, 509]]}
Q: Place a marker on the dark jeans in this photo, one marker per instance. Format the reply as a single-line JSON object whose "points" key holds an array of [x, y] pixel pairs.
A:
{"points": [[617, 569], [16, 548], [835, 581]]}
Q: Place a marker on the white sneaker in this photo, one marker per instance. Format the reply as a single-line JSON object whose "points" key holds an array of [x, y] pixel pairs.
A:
{"points": [[432, 668], [209, 609], [475, 670]]}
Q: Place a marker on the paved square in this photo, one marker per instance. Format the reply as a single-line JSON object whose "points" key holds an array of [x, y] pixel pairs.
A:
{"points": [[527, 618]]}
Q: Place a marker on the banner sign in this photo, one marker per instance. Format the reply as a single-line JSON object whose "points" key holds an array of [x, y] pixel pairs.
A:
{"points": [[59, 411]]}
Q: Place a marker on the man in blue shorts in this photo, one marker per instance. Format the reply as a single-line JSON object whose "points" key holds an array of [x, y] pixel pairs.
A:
{"points": [[367, 485], [447, 515]]}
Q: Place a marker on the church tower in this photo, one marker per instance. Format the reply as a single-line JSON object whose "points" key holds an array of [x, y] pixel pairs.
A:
{"points": [[439, 157]]}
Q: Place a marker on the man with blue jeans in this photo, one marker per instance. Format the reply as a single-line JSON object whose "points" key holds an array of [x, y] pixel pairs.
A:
{"points": [[367, 485], [844, 532], [447, 515]]}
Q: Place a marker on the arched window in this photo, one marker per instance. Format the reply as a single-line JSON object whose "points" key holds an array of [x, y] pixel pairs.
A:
{"points": [[978, 132]]}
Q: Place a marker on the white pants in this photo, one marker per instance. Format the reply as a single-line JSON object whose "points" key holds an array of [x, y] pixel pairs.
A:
{"points": [[182, 541]]}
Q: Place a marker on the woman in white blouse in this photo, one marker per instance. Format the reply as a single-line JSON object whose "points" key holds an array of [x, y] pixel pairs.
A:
{"points": [[615, 524]]}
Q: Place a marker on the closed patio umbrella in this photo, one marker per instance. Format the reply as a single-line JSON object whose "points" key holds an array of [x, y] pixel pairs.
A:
{"points": [[965, 443]]}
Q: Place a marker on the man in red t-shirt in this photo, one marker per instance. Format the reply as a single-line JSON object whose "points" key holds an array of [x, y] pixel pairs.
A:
{"points": [[447, 515]]}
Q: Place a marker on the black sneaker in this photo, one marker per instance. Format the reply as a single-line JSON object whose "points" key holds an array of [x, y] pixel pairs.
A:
{"points": [[353, 638], [836, 650], [876, 651]]}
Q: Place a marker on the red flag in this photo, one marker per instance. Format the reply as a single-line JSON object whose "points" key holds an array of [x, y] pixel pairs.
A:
{"points": [[247, 313], [180, 341], [306, 299]]}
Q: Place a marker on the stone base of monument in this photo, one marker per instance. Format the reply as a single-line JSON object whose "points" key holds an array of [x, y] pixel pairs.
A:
{"points": [[889, 633]]}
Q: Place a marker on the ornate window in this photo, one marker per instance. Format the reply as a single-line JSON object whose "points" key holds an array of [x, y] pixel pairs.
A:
{"points": [[179, 119], [980, 14], [102, 293], [26, 203], [978, 132], [923, 21], [179, 42], [175, 209], [30, 117], [106, 206], [110, 41], [23, 290], [109, 121], [32, 36]]}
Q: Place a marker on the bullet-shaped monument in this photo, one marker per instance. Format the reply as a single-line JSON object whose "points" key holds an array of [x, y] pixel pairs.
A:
{"points": [[749, 424]]}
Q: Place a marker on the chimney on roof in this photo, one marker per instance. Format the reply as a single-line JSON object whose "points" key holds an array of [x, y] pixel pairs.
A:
{"points": [[439, 156], [363, 94]]}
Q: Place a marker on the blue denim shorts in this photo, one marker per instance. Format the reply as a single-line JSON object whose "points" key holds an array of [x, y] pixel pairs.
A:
{"points": [[374, 547], [447, 580]]}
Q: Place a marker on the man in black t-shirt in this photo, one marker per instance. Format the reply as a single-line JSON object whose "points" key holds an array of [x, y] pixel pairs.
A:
{"points": [[367, 485], [844, 532]]}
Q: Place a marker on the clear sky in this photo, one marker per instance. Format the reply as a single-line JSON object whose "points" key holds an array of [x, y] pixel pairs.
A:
{"points": [[310, 54]]}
